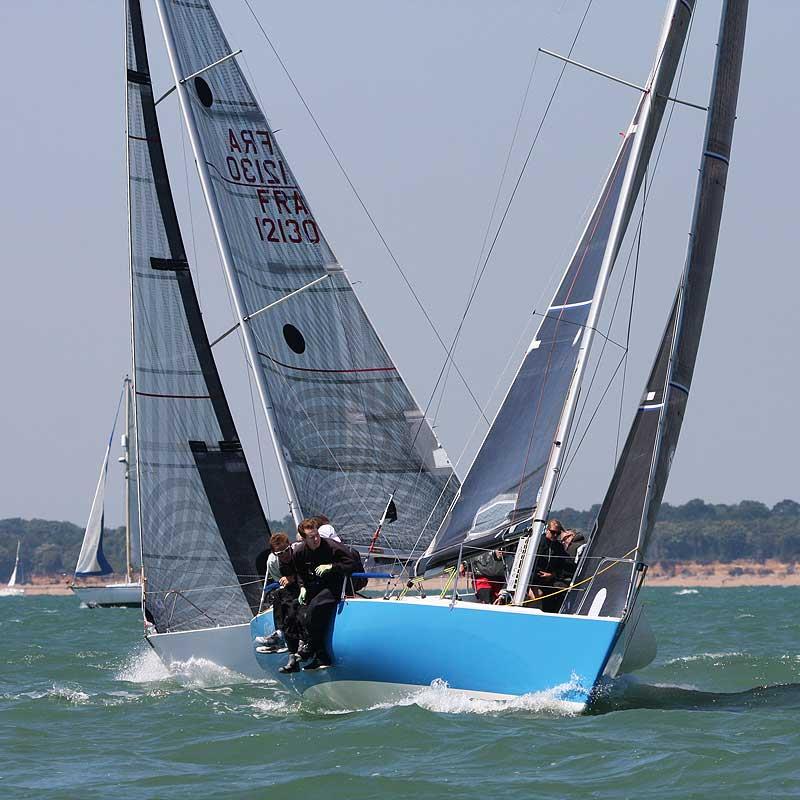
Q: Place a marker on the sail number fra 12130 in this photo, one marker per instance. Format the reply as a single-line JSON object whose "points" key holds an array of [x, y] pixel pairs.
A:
{"points": [[285, 227]]}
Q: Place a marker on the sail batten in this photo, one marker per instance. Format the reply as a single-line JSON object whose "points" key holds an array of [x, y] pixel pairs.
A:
{"points": [[346, 430], [628, 513]]}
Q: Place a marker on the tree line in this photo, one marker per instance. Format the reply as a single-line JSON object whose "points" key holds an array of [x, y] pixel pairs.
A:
{"points": [[693, 532]]}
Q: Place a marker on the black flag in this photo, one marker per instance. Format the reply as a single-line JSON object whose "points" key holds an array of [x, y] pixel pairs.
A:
{"points": [[391, 513]]}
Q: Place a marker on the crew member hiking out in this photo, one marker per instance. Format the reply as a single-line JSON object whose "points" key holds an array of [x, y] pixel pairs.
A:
{"points": [[320, 566]]}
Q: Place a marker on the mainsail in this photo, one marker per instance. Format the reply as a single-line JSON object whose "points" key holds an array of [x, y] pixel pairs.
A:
{"points": [[201, 523], [629, 510], [347, 432], [521, 451]]}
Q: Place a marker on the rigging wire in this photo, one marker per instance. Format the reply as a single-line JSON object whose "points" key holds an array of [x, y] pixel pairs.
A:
{"points": [[646, 197], [493, 211], [508, 204], [366, 210], [630, 322]]}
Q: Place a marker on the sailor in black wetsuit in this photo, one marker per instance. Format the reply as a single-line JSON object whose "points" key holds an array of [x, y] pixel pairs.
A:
{"points": [[320, 566], [553, 568]]}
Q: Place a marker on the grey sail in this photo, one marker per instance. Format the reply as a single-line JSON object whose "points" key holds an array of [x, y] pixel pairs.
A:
{"points": [[348, 433], [91, 559], [629, 511], [201, 523], [501, 490]]}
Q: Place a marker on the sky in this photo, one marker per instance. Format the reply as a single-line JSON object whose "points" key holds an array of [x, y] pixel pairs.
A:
{"points": [[420, 101]]}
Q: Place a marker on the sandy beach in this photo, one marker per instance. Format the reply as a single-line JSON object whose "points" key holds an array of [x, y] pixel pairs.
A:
{"points": [[713, 575]]}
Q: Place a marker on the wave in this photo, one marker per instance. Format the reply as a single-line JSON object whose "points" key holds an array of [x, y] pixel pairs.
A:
{"points": [[627, 693], [144, 666], [440, 698], [280, 706], [685, 591], [706, 657]]}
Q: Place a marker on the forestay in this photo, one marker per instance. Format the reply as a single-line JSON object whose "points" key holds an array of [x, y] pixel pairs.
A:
{"points": [[347, 428], [501, 491], [629, 511], [201, 522]]}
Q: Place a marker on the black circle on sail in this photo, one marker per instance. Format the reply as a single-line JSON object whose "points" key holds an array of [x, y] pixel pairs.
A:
{"points": [[294, 338], [204, 92]]}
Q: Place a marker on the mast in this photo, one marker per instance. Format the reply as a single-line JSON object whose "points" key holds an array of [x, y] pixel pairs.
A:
{"points": [[223, 244], [132, 332], [126, 452], [526, 551], [630, 508]]}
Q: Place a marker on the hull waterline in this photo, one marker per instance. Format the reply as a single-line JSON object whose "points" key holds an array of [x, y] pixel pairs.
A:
{"points": [[113, 595], [385, 650]]}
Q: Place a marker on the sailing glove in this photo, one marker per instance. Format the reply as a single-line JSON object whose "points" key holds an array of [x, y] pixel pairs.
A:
{"points": [[322, 569], [302, 596]]}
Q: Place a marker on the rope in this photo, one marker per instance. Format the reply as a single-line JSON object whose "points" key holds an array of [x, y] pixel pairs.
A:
{"points": [[207, 588], [580, 583]]}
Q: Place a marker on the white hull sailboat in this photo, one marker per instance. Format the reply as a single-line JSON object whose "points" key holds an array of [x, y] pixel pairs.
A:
{"points": [[11, 589], [305, 335], [91, 560]]}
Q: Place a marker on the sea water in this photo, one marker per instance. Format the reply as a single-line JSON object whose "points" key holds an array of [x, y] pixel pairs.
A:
{"points": [[87, 711]]}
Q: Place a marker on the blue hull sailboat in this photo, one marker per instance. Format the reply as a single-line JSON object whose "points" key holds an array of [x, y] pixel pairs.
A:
{"points": [[592, 627]]}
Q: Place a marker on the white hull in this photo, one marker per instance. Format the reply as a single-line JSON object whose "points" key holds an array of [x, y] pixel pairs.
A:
{"points": [[11, 591], [229, 647], [128, 595]]}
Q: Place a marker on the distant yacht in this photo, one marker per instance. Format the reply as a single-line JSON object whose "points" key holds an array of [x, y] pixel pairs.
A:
{"points": [[12, 589], [92, 561]]}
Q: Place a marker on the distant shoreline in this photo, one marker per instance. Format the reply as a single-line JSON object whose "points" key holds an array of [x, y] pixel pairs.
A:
{"points": [[717, 574], [713, 575]]}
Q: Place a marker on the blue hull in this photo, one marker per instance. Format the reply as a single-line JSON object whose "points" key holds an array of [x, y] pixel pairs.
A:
{"points": [[385, 647]]}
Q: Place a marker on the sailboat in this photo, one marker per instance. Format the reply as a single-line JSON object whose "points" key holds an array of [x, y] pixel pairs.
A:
{"points": [[347, 433], [12, 589], [389, 646], [91, 559]]}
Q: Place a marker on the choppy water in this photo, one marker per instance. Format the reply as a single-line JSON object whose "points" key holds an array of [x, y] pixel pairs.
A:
{"points": [[87, 712]]}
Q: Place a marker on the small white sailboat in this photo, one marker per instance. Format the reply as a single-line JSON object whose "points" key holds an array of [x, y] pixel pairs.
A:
{"points": [[92, 561], [12, 589]]}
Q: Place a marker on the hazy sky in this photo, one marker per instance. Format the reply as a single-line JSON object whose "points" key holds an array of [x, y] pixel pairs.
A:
{"points": [[419, 100]]}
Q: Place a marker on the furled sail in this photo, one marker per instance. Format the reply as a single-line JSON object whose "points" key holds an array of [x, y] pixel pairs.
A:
{"points": [[503, 486], [91, 559], [629, 510], [201, 523], [348, 433]]}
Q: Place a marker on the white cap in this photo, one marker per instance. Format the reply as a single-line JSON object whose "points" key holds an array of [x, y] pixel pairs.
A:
{"points": [[328, 532]]}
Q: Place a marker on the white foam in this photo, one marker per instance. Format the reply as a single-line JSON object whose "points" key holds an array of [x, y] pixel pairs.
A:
{"points": [[76, 696], [276, 707], [143, 666], [440, 699], [686, 591], [704, 657]]}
